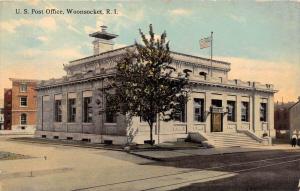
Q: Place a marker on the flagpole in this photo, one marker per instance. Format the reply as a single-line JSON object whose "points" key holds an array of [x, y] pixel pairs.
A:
{"points": [[211, 52]]}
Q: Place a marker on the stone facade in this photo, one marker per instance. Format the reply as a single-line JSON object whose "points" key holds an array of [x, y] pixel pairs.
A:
{"points": [[214, 97]]}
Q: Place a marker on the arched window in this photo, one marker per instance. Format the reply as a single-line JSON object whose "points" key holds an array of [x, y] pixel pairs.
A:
{"points": [[23, 119]]}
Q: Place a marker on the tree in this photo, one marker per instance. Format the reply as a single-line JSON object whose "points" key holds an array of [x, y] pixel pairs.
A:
{"points": [[146, 84]]}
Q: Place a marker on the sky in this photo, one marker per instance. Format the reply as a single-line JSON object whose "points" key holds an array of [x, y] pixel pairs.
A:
{"points": [[259, 38]]}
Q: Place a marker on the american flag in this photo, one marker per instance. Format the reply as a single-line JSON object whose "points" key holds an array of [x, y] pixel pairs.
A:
{"points": [[205, 42]]}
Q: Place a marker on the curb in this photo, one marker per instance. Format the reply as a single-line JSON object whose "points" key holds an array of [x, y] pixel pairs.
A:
{"points": [[147, 157], [68, 145]]}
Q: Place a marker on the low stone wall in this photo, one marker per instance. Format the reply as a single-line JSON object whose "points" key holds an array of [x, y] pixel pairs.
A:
{"points": [[93, 138]]}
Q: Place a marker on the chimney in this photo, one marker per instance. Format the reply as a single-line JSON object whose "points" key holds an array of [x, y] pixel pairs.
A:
{"points": [[103, 41]]}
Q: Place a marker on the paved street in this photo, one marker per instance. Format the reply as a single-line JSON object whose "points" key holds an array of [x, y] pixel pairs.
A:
{"points": [[56, 167]]}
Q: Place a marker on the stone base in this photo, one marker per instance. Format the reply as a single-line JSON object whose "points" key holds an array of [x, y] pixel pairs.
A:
{"points": [[93, 138], [140, 138], [19, 130]]}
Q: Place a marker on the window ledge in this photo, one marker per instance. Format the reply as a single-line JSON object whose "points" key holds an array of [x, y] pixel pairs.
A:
{"points": [[234, 122], [87, 123], [199, 123], [111, 124], [180, 123]]}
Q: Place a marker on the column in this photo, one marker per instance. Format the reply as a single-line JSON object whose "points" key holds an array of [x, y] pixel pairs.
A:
{"points": [[256, 112], [251, 113], [238, 111], [224, 105], [78, 119], [51, 112], [97, 107], [39, 112], [190, 113], [207, 112], [64, 110], [270, 116]]}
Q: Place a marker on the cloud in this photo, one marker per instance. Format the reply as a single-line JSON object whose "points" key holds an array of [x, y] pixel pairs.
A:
{"points": [[63, 54], [11, 25], [72, 28], [283, 75], [33, 2], [123, 20], [43, 38], [180, 12], [46, 23], [237, 18], [89, 30], [30, 53], [28, 64]]}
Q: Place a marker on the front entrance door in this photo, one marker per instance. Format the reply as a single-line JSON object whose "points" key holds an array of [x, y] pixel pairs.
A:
{"points": [[216, 121]]}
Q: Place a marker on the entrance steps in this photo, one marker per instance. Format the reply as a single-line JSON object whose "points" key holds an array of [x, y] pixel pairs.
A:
{"points": [[220, 139]]}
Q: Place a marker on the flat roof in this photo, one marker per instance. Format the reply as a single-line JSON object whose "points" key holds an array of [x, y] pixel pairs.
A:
{"points": [[103, 35], [23, 80]]}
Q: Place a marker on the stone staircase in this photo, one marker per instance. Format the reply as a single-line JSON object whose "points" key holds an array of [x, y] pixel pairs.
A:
{"points": [[221, 139]]}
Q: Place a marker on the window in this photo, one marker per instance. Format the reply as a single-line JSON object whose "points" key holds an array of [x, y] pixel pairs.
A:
{"points": [[58, 112], [87, 110], [199, 110], [23, 101], [263, 112], [231, 110], [23, 119], [110, 115], [180, 116], [245, 111], [23, 87], [71, 110]]}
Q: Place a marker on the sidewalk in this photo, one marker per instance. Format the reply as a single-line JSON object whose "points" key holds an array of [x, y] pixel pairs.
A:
{"points": [[160, 152], [171, 154]]}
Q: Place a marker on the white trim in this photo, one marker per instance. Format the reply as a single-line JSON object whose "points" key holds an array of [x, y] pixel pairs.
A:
{"points": [[21, 89], [25, 120], [21, 101], [72, 95], [27, 110], [88, 93], [58, 97]]}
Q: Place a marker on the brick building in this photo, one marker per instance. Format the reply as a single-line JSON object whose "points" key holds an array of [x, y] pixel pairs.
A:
{"points": [[7, 109], [20, 103]]}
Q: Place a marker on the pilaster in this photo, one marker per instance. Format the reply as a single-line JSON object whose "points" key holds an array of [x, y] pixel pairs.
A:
{"points": [[270, 116], [208, 98], [238, 111], [224, 105]]}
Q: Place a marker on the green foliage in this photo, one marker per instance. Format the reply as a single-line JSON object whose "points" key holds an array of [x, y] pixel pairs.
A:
{"points": [[146, 84]]}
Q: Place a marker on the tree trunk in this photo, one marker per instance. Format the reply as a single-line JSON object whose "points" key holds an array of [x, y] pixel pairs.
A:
{"points": [[151, 134]]}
